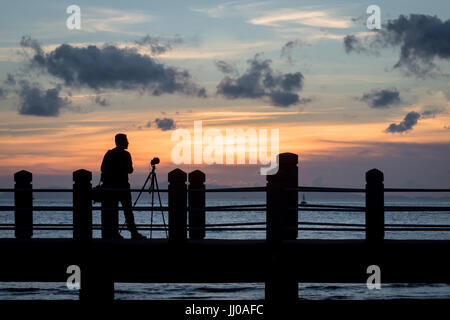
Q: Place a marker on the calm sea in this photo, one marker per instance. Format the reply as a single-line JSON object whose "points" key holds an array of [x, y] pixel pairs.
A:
{"points": [[248, 291]]}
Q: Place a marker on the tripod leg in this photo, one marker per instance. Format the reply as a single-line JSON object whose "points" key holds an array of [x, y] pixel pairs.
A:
{"points": [[152, 190], [160, 205], [143, 187]]}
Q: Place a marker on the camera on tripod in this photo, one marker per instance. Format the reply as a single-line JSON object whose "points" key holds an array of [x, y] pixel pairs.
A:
{"points": [[154, 161], [152, 190]]}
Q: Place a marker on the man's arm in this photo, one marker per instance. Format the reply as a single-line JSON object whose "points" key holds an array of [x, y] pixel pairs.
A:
{"points": [[129, 164], [105, 165]]}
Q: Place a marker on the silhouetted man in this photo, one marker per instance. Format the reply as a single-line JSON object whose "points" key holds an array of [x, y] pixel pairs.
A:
{"points": [[116, 166]]}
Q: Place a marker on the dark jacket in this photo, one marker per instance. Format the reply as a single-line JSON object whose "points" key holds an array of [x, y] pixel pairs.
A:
{"points": [[115, 168]]}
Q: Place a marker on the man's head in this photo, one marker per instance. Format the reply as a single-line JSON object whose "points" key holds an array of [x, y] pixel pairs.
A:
{"points": [[121, 141]]}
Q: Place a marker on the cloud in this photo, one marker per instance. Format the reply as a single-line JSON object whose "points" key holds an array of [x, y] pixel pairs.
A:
{"points": [[38, 102], [422, 39], [224, 67], [406, 124], [260, 81], [383, 98], [286, 50], [431, 112], [111, 20], [3, 93], [314, 18], [101, 101], [10, 80], [110, 67], [165, 124], [159, 45], [353, 44], [28, 42]]}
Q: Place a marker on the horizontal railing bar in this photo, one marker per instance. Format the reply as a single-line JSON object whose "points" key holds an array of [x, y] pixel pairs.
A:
{"points": [[327, 210], [329, 206], [415, 190], [232, 209], [35, 190], [415, 208], [248, 189], [237, 206], [327, 189], [333, 224], [417, 229], [240, 189], [252, 223]]}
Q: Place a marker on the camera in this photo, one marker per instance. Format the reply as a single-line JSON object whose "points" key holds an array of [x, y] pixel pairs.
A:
{"points": [[154, 161]]}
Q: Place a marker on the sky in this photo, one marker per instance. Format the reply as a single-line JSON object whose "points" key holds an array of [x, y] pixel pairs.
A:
{"points": [[344, 97]]}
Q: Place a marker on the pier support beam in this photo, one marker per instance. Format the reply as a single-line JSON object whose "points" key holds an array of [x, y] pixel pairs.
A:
{"points": [[23, 203], [177, 206], [282, 224], [96, 281], [196, 204], [374, 206], [82, 205]]}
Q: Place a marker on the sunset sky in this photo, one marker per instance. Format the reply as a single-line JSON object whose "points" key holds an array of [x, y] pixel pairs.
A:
{"points": [[344, 98]]}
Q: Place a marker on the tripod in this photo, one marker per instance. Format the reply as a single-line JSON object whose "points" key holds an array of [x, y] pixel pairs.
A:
{"points": [[152, 189]]}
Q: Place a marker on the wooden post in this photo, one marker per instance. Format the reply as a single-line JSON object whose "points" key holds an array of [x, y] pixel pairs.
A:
{"points": [[282, 204], [97, 284], [82, 205], [282, 224], [23, 203], [374, 206], [96, 281], [177, 206], [196, 204]]}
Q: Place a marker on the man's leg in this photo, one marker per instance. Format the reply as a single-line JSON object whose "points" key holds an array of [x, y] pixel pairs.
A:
{"points": [[128, 212], [110, 217]]}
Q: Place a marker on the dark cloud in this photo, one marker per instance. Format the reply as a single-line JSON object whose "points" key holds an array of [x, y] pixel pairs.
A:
{"points": [[165, 124], [260, 81], [430, 112], [38, 102], [286, 50], [101, 101], [406, 124], [110, 67], [28, 42], [383, 98], [224, 67], [421, 38], [353, 44], [159, 45], [10, 80], [3, 93]]}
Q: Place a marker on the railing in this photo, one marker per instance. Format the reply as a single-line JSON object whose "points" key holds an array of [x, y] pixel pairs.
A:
{"points": [[187, 209], [281, 209]]}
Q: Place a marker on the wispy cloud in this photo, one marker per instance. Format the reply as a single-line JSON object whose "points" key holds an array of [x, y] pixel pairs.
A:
{"points": [[313, 18], [230, 7], [110, 20]]}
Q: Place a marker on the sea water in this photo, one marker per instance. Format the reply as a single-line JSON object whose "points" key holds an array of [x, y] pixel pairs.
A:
{"points": [[243, 291]]}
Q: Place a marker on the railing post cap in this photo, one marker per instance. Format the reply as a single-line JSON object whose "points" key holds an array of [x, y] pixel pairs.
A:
{"points": [[82, 175], [196, 176], [177, 175], [23, 176], [374, 175], [287, 158]]}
